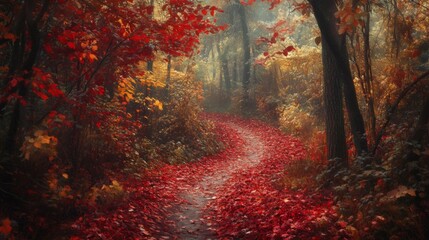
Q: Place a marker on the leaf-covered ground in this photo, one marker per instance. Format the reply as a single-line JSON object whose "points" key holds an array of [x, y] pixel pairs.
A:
{"points": [[231, 195]]}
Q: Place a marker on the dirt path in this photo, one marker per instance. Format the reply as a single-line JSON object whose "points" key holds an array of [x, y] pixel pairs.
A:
{"points": [[189, 220], [234, 194]]}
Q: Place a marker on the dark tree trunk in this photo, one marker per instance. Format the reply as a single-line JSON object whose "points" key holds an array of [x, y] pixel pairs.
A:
{"points": [[166, 90], [246, 56], [214, 61], [355, 116], [168, 79], [219, 55], [420, 130], [324, 12], [235, 75], [404, 173], [27, 67], [226, 76], [332, 90], [277, 74], [17, 53], [225, 71], [149, 64], [333, 100], [369, 96]]}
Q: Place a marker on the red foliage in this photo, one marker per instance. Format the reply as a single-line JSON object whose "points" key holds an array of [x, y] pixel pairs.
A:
{"points": [[247, 206]]}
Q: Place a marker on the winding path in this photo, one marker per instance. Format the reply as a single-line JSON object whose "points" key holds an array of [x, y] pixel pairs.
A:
{"points": [[235, 194], [190, 223]]}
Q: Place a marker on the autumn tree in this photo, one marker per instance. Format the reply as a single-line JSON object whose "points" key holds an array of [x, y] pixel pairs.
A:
{"points": [[69, 71], [332, 90], [246, 55]]}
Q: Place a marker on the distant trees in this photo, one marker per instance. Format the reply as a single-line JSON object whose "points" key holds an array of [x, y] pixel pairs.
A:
{"points": [[246, 55]]}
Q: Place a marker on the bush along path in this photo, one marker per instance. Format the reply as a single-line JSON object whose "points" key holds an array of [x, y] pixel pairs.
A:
{"points": [[235, 194]]}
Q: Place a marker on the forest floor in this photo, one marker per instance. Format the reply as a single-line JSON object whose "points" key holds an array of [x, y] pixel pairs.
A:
{"points": [[238, 193]]}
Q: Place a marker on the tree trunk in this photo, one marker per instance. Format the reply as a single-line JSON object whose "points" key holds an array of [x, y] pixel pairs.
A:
{"points": [[332, 89], [246, 56], [369, 96], [276, 76], [422, 124], [226, 77], [219, 56], [17, 52], [166, 91], [234, 74], [413, 152], [167, 81], [214, 63], [27, 68], [149, 64], [337, 44], [225, 71]]}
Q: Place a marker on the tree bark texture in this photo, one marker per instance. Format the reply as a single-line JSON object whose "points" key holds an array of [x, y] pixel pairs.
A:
{"points": [[246, 56], [332, 85], [324, 12]]}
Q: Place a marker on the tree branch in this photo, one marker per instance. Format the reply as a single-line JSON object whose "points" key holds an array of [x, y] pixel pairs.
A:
{"points": [[394, 107]]}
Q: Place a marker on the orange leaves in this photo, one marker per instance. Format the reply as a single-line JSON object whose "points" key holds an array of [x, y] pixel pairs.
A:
{"points": [[41, 139], [125, 29], [89, 47], [154, 103], [349, 18], [5, 227], [41, 143], [89, 56]]}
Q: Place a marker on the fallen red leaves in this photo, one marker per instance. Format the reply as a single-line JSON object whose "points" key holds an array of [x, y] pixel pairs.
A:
{"points": [[250, 207], [246, 206]]}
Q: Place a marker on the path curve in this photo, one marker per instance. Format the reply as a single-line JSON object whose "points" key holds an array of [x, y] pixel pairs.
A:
{"points": [[188, 217], [234, 194]]}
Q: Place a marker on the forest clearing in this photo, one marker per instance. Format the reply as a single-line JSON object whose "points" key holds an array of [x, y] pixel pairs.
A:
{"points": [[214, 119]]}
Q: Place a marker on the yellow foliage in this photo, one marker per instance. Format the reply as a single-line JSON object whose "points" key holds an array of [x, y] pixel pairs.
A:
{"points": [[295, 120], [40, 144], [154, 103], [107, 194], [129, 87]]}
